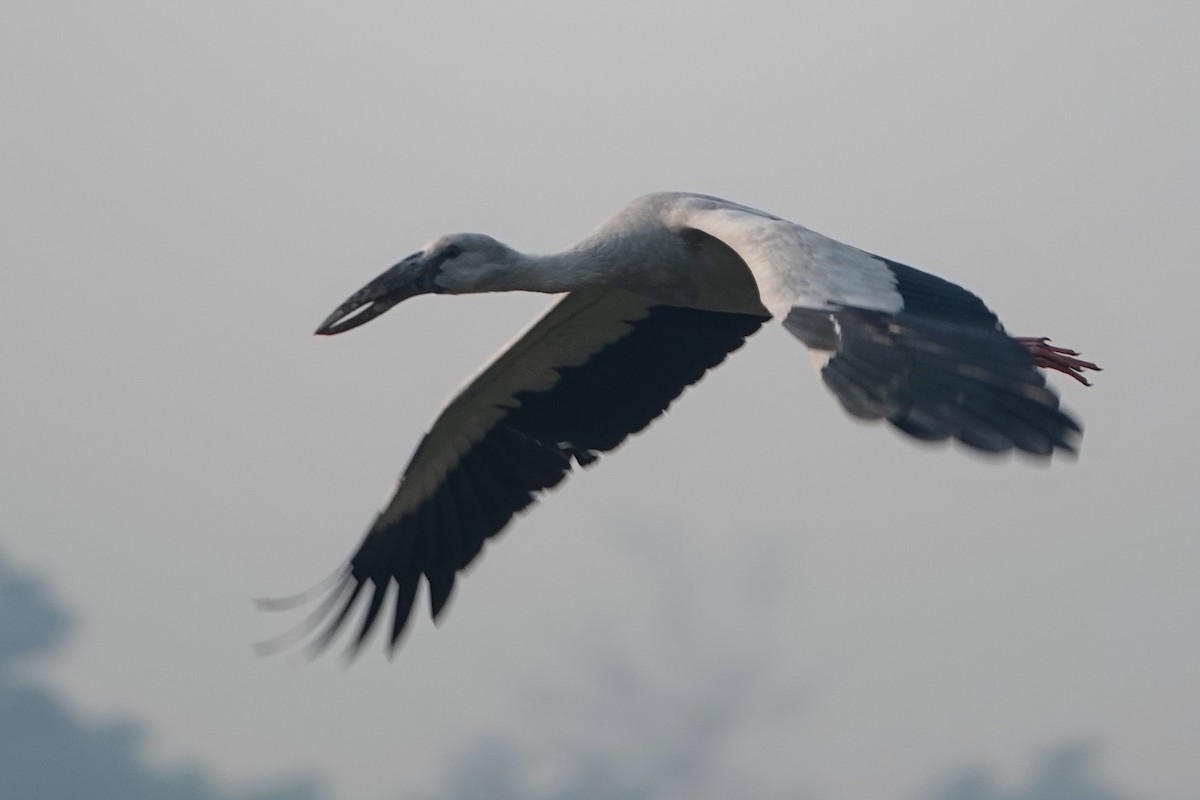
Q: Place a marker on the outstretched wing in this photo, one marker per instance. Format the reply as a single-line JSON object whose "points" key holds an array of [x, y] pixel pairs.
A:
{"points": [[952, 373], [897, 343], [599, 365]]}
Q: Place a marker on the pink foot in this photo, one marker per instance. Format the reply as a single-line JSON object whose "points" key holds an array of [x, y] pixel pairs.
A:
{"points": [[1047, 356]]}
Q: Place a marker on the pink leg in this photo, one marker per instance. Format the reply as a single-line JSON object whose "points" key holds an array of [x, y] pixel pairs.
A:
{"points": [[1047, 356]]}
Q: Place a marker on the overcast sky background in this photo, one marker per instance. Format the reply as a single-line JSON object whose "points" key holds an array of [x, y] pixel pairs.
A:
{"points": [[758, 595]]}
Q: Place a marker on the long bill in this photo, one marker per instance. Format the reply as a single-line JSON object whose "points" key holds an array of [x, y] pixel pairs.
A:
{"points": [[404, 280]]}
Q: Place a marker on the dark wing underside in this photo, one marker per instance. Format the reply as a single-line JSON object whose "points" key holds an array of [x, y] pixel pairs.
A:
{"points": [[530, 447], [941, 368]]}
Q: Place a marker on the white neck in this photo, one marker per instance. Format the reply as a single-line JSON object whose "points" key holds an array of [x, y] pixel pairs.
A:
{"points": [[587, 264]]}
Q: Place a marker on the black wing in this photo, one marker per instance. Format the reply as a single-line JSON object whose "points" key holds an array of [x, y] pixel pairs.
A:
{"points": [[600, 365], [941, 367]]}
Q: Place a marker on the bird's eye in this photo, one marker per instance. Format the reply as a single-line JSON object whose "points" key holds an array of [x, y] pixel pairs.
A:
{"points": [[452, 251]]}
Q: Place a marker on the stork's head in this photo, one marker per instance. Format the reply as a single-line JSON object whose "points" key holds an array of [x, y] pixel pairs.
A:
{"points": [[460, 263]]}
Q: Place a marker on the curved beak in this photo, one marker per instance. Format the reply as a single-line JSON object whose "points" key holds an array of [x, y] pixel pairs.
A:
{"points": [[407, 279]]}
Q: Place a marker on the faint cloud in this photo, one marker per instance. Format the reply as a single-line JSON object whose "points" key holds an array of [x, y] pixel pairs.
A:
{"points": [[50, 753], [661, 720], [495, 770], [1065, 772], [649, 708], [31, 623], [659, 713]]}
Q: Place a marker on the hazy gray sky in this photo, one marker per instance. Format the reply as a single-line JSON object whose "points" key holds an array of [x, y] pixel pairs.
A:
{"points": [[52, 752], [186, 192]]}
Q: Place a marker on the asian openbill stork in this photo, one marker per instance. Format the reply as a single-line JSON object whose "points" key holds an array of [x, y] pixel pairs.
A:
{"points": [[656, 296]]}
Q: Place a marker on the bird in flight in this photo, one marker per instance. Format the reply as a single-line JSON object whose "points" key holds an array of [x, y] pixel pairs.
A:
{"points": [[656, 296]]}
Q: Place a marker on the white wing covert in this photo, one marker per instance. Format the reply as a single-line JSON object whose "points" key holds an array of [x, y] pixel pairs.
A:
{"points": [[792, 265]]}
